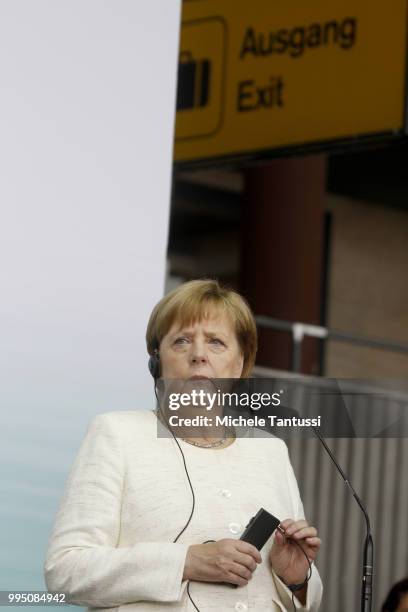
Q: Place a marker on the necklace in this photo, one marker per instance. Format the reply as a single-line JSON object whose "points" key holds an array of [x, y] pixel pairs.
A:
{"points": [[210, 444]]}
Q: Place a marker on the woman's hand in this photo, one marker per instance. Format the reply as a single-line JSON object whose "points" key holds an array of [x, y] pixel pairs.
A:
{"points": [[227, 560], [286, 558]]}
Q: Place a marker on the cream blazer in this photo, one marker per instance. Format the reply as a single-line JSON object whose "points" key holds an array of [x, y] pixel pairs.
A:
{"points": [[126, 499]]}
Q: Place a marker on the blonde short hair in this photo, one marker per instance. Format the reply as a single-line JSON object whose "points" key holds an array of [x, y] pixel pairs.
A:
{"points": [[194, 301]]}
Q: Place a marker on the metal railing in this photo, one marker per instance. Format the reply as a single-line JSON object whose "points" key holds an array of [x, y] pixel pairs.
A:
{"points": [[299, 330]]}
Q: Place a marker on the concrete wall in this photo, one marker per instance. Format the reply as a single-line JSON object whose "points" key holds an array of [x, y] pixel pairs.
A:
{"points": [[368, 286]]}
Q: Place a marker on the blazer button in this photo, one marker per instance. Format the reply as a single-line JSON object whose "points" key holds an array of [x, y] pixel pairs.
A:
{"points": [[235, 528], [240, 606], [226, 493]]}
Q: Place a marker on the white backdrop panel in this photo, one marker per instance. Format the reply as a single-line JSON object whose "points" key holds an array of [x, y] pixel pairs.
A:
{"points": [[87, 98]]}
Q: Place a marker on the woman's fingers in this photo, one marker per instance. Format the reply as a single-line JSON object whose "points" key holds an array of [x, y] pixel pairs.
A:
{"points": [[238, 561], [313, 541], [295, 526], [226, 560], [243, 566], [298, 530], [304, 532], [241, 571], [235, 579], [286, 524], [248, 549], [245, 560]]}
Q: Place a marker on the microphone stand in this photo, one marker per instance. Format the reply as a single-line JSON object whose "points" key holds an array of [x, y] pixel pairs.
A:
{"points": [[368, 558]]}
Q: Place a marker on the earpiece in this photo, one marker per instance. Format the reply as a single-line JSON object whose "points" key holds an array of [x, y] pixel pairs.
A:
{"points": [[154, 364]]}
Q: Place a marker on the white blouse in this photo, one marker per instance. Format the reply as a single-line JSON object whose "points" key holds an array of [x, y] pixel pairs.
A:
{"points": [[126, 499]]}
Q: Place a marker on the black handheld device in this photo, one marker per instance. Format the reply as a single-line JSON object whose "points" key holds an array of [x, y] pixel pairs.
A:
{"points": [[260, 528], [258, 531]]}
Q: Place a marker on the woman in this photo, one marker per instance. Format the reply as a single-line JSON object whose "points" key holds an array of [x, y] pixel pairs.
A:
{"points": [[135, 528]]}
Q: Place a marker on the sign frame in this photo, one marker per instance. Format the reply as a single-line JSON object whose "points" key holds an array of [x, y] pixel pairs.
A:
{"points": [[349, 143]]}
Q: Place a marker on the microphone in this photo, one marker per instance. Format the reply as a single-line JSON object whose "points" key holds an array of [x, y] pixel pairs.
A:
{"points": [[368, 556]]}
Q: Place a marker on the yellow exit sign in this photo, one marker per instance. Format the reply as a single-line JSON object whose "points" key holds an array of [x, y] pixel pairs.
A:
{"points": [[262, 75]]}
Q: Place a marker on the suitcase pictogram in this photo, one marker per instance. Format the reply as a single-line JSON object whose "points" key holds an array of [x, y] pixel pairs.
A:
{"points": [[193, 83]]}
